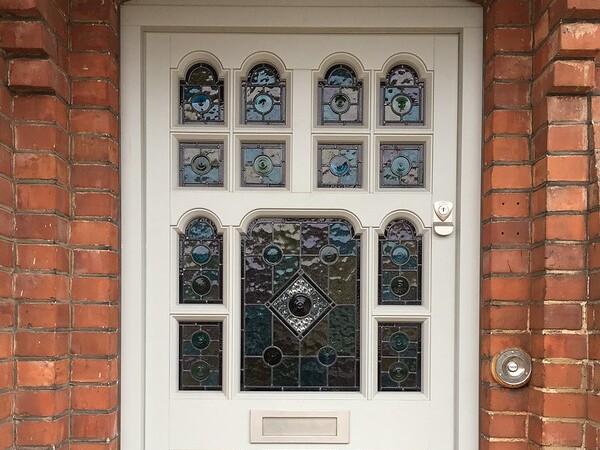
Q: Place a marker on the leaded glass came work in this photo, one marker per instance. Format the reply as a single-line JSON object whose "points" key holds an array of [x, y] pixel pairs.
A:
{"points": [[200, 263], [340, 97], [399, 357], [340, 165], [300, 305], [201, 96], [402, 97], [263, 165], [201, 164], [263, 96], [200, 356], [401, 165], [400, 253]]}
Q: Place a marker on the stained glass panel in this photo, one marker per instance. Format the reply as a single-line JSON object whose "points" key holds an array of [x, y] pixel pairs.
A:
{"points": [[300, 305], [200, 356], [340, 97], [263, 165], [340, 165], [201, 96], [399, 357], [401, 165], [263, 96], [402, 96], [400, 260], [200, 263], [201, 164]]}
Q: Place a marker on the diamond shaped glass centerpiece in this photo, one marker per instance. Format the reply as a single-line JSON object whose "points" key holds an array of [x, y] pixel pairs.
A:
{"points": [[300, 305]]}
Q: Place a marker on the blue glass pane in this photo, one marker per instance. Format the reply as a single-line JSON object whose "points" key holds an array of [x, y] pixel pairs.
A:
{"points": [[200, 356], [340, 97], [401, 165], [201, 164], [301, 305], [340, 165], [399, 357], [201, 96], [402, 97], [263, 165], [263, 96]]}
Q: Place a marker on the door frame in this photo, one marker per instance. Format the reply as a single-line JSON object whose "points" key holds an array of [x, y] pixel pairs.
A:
{"points": [[138, 20]]}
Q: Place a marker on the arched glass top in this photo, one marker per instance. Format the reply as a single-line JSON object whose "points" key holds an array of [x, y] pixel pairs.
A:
{"points": [[263, 75], [340, 75], [201, 96]]}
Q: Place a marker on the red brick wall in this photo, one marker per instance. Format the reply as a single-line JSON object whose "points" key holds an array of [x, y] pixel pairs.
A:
{"points": [[59, 258]]}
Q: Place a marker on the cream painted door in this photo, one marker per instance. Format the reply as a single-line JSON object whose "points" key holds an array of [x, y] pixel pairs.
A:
{"points": [[361, 419]]}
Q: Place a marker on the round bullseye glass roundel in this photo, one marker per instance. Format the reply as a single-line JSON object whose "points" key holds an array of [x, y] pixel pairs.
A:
{"points": [[263, 103], [300, 305], [272, 356], [200, 339], [400, 254], [340, 103], [399, 286], [398, 372], [339, 165], [399, 341], [400, 166], [201, 254], [200, 370], [201, 103], [272, 254], [201, 165], [327, 355], [328, 254], [201, 285], [401, 104], [262, 165]]}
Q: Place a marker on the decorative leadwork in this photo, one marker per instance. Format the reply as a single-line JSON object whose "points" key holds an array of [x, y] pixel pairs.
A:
{"points": [[200, 356], [300, 305], [200, 263], [401, 165], [340, 97], [400, 260], [340, 165], [201, 96], [263, 165], [201, 164], [263, 96], [399, 357], [402, 95]]}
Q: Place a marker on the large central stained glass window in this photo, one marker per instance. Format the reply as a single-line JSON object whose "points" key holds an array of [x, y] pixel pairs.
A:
{"points": [[300, 305]]}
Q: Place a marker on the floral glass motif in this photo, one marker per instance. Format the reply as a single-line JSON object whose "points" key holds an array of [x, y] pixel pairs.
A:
{"points": [[402, 96], [300, 305], [201, 164], [399, 357], [200, 356], [201, 263], [400, 261], [263, 165], [340, 97], [340, 165], [263, 96], [401, 165], [201, 96]]}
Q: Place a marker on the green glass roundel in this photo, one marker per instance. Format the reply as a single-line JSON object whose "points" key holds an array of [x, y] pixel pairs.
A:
{"points": [[328, 254], [272, 254], [200, 254], [200, 339], [399, 341], [399, 286], [201, 285], [300, 305], [327, 355], [400, 254], [262, 165], [272, 356], [263, 103], [201, 165], [398, 372], [401, 104], [200, 370], [400, 166]]}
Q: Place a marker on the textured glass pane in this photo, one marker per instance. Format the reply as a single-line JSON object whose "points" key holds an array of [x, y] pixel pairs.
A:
{"points": [[400, 255], [300, 305], [263, 165], [263, 96], [200, 263], [399, 357], [340, 95], [201, 96], [401, 165], [200, 356], [339, 165], [201, 164], [402, 95]]}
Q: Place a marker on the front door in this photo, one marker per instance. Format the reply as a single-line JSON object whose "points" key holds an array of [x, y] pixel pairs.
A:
{"points": [[301, 287]]}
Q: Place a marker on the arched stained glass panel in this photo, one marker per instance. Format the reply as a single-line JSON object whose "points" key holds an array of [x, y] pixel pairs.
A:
{"points": [[201, 96], [263, 96], [200, 263], [340, 97], [400, 261], [402, 97]]}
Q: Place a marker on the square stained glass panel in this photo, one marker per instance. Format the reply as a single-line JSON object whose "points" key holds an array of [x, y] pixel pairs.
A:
{"points": [[263, 165], [201, 164], [339, 165], [401, 165], [200, 356], [399, 357]]}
